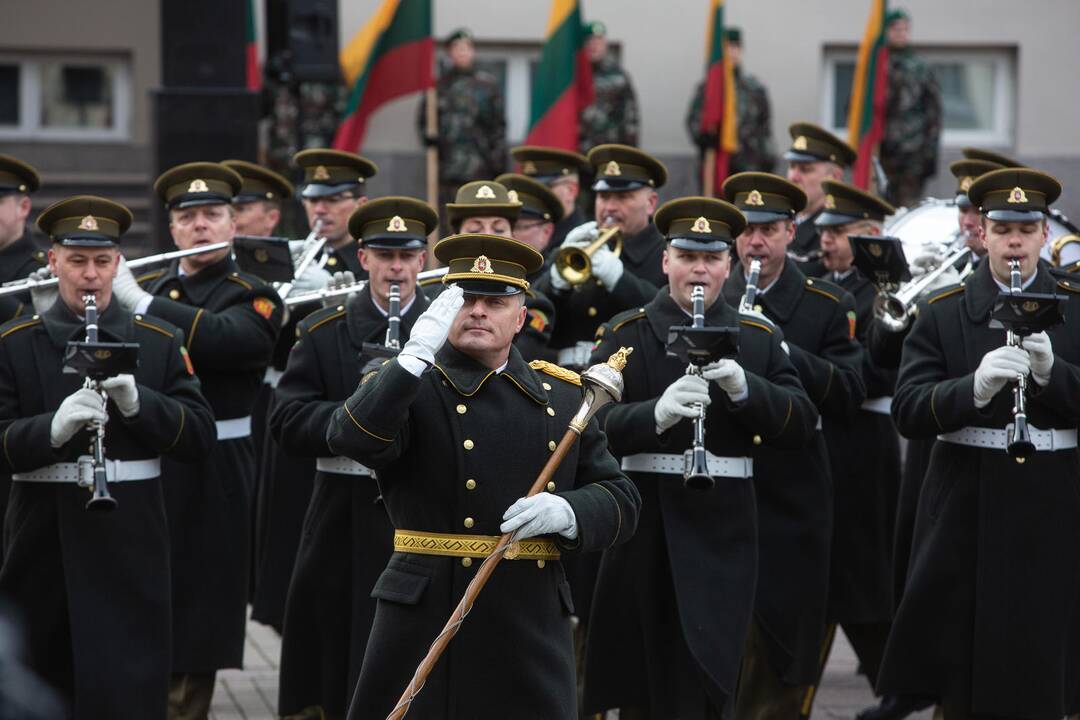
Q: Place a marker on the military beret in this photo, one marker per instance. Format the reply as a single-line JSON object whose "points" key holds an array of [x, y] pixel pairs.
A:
{"points": [[329, 172], [259, 183], [197, 183], [764, 197], [548, 164], [536, 199], [965, 172], [482, 198], [17, 176], [846, 204], [620, 168], [85, 221], [1014, 194], [813, 143], [393, 222], [703, 224], [487, 264]]}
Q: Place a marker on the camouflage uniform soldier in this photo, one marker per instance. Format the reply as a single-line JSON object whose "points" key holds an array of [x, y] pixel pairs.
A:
{"points": [[756, 150], [909, 150], [472, 122], [613, 116]]}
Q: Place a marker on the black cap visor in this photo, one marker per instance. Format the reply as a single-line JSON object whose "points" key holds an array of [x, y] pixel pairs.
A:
{"points": [[829, 219], [319, 190], [699, 243], [761, 217], [614, 185], [194, 199], [1016, 215], [487, 287]]}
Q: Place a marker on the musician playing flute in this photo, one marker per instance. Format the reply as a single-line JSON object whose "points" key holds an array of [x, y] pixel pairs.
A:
{"points": [[795, 509], [673, 605], [456, 428], [986, 626], [347, 537], [92, 589]]}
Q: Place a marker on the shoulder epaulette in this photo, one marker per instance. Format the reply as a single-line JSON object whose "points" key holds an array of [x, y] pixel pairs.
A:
{"points": [[625, 317], [18, 324], [152, 323], [322, 316], [947, 292], [147, 277], [556, 371], [760, 323], [824, 287], [1070, 284], [41, 257], [248, 282]]}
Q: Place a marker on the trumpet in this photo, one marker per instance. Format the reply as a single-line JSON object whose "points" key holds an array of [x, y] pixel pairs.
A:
{"points": [[749, 298], [893, 309], [574, 264], [1020, 447], [327, 292]]}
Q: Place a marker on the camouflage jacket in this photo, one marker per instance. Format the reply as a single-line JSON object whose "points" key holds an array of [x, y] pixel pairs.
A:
{"points": [[912, 117], [756, 149], [613, 115], [472, 126]]}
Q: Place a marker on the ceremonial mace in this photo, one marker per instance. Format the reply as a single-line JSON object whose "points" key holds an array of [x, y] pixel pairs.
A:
{"points": [[603, 384]]}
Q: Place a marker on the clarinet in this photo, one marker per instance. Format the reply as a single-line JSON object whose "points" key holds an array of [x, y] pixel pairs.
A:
{"points": [[1020, 447], [746, 305], [696, 468], [93, 473], [393, 317]]}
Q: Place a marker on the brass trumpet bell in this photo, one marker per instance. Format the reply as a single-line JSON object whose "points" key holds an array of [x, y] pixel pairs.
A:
{"points": [[574, 264]]}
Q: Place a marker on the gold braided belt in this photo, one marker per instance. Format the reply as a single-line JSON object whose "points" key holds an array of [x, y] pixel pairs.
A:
{"points": [[473, 546]]}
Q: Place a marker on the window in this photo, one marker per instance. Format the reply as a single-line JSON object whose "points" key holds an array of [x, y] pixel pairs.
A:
{"points": [[65, 98], [976, 93]]}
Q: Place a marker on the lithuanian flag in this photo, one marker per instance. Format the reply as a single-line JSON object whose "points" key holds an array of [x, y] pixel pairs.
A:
{"points": [[392, 55], [866, 112], [251, 50], [563, 83], [719, 115]]}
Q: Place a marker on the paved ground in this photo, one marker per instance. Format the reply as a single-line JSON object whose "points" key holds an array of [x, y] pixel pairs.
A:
{"points": [[251, 693]]}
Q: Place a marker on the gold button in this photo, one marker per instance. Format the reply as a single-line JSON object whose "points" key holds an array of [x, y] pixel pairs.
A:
{"points": [[469, 522], [137, 317], [551, 487], [468, 444], [461, 409], [466, 562], [540, 564], [546, 386], [470, 484], [757, 439], [174, 294], [551, 445], [592, 312], [332, 262], [757, 308], [551, 411]]}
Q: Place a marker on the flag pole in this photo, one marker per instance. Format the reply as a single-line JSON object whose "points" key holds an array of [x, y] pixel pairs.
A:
{"points": [[431, 130], [708, 170]]}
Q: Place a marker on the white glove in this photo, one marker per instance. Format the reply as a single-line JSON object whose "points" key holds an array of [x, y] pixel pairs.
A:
{"points": [[730, 376], [606, 267], [580, 236], [541, 514], [123, 391], [431, 329], [126, 289], [338, 280], [42, 297], [997, 368], [313, 278], [924, 262], [680, 401], [1042, 356], [78, 409]]}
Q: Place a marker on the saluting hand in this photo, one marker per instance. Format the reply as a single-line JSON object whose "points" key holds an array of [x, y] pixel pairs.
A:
{"points": [[997, 368], [680, 401], [431, 329]]}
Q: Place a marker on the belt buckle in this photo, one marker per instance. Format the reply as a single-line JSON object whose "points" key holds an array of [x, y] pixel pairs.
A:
{"points": [[84, 471]]}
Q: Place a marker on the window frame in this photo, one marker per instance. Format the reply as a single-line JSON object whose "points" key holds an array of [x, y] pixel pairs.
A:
{"points": [[30, 96], [1002, 129]]}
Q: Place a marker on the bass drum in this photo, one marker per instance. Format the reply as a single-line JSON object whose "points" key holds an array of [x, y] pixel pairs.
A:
{"points": [[933, 225]]}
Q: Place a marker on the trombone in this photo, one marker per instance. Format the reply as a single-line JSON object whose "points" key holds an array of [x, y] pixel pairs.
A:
{"points": [[893, 308], [574, 264], [327, 292]]}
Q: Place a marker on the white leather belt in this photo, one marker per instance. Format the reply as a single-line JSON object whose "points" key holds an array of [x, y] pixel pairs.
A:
{"points": [[115, 471], [733, 467], [994, 439], [341, 466], [881, 405], [234, 428], [272, 376], [577, 355]]}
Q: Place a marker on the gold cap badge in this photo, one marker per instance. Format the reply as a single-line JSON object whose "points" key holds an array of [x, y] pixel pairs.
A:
{"points": [[529, 168], [800, 143], [513, 196], [830, 202], [482, 264], [965, 182], [1017, 196], [396, 224], [701, 225], [484, 192], [320, 173], [612, 168], [754, 198], [88, 223], [198, 185]]}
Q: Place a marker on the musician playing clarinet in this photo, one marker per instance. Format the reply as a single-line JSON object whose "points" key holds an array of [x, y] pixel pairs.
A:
{"points": [[986, 626], [347, 536], [673, 605], [92, 588]]}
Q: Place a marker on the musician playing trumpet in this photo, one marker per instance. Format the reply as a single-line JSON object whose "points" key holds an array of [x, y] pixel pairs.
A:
{"points": [[674, 650], [997, 543], [92, 589]]}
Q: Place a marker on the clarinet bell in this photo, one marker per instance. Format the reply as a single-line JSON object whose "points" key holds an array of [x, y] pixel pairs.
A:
{"points": [[696, 472], [1020, 447], [101, 501]]}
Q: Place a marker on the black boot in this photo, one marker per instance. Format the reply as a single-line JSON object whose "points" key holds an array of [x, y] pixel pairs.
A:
{"points": [[895, 707]]}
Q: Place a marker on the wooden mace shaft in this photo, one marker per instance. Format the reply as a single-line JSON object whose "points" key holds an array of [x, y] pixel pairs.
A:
{"points": [[475, 586]]}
